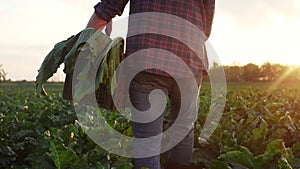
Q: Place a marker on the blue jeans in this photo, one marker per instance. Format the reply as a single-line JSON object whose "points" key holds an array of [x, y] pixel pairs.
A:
{"points": [[140, 88]]}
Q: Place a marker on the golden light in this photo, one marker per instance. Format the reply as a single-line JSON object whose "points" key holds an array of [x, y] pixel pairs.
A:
{"points": [[289, 71], [297, 3]]}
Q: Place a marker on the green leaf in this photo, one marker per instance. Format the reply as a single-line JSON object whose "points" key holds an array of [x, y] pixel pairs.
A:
{"points": [[258, 134], [284, 164], [296, 163], [205, 155], [126, 166], [52, 62], [110, 62], [84, 74], [296, 150], [61, 155], [110, 56], [243, 157], [38, 159], [82, 88], [275, 147], [217, 164], [84, 37]]}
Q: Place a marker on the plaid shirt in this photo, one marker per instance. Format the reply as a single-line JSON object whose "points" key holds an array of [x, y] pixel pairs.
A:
{"points": [[179, 27]]}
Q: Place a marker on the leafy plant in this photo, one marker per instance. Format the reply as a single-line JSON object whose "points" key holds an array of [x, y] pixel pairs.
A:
{"points": [[94, 52], [258, 130]]}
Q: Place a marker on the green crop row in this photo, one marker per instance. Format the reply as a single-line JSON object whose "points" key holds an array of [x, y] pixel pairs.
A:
{"points": [[259, 129], [43, 132]]}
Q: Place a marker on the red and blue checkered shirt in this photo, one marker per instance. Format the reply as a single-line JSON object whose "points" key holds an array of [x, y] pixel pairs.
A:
{"points": [[180, 27]]}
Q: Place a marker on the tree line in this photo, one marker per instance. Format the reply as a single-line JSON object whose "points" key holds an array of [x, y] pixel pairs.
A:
{"points": [[249, 72], [253, 73]]}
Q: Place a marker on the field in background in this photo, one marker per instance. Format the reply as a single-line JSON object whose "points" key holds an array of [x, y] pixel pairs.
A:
{"points": [[260, 128]]}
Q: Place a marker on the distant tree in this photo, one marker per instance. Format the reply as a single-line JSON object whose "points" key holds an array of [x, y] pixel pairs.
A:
{"points": [[267, 72], [2, 74], [216, 71], [233, 73], [279, 70], [297, 73], [250, 72]]}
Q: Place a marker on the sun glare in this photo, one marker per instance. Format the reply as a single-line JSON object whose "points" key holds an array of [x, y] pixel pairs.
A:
{"points": [[297, 3], [287, 73]]}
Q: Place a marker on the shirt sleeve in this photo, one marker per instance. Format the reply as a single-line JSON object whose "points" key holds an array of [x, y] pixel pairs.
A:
{"points": [[209, 6], [108, 9]]}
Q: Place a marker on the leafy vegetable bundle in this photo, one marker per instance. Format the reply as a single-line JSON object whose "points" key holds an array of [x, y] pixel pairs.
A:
{"points": [[98, 56]]}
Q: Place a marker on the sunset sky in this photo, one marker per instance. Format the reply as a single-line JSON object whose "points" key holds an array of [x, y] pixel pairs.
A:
{"points": [[244, 31]]}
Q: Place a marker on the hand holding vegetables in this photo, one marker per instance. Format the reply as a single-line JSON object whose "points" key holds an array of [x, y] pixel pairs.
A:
{"points": [[98, 23]]}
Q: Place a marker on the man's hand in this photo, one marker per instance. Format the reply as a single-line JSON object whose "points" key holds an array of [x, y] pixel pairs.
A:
{"points": [[98, 23]]}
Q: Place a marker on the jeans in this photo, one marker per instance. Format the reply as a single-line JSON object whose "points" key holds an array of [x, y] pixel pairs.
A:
{"points": [[139, 90]]}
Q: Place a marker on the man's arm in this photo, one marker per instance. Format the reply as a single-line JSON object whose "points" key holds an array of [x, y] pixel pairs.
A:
{"points": [[108, 9], [96, 22], [209, 6], [104, 12]]}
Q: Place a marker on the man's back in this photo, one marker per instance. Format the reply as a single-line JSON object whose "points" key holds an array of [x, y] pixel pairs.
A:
{"points": [[166, 25]]}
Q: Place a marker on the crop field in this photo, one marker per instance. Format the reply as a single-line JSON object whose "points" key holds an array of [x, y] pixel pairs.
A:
{"points": [[259, 129]]}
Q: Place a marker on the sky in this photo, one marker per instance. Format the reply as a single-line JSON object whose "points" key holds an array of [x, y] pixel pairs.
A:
{"points": [[247, 31]]}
